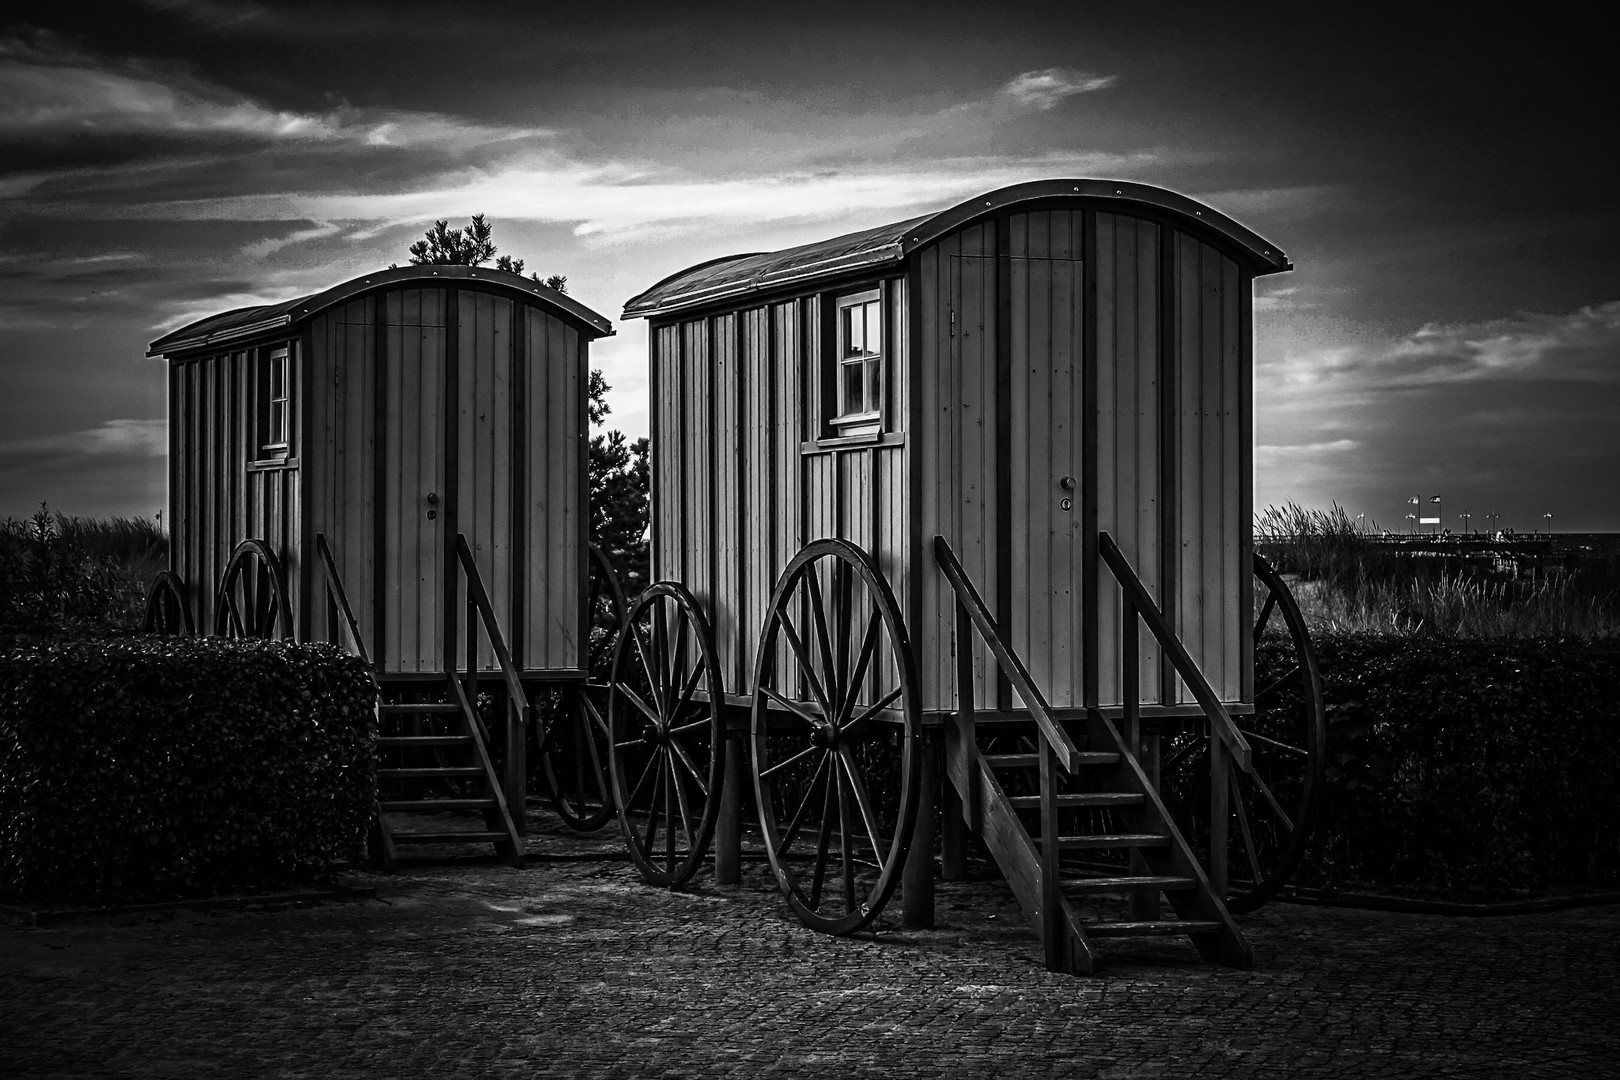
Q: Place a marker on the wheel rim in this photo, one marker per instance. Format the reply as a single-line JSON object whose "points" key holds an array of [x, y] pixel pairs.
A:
{"points": [[252, 597], [836, 737], [575, 752], [166, 608], [1272, 809], [666, 756]]}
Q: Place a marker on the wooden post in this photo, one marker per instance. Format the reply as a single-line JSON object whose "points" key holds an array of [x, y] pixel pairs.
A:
{"points": [[952, 832], [1219, 809], [1145, 901], [518, 718], [728, 830], [1053, 938], [917, 877]]}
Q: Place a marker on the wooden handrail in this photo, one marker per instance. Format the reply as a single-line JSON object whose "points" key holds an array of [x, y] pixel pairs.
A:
{"points": [[1068, 755], [1220, 721], [336, 593], [478, 600]]}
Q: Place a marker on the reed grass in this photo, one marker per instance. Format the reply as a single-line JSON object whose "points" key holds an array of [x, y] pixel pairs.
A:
{"points": [[1349, 578]]}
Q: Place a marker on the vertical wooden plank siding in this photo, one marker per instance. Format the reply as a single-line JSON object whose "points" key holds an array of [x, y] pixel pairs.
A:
{"points": [[728, 505], [1209, 521], [556, 504], [484, 438], [1128, 467], [1046, 309]]}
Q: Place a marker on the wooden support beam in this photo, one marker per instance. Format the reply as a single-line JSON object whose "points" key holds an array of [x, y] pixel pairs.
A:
{"points": [[728, 830], [917, 878]]}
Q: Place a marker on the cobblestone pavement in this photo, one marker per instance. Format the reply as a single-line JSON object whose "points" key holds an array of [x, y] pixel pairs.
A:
{"points": [[575, 968]]}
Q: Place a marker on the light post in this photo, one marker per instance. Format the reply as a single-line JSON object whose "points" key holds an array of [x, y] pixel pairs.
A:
{"points": [[1465, 516], [1548, 518], [1411, 523]]}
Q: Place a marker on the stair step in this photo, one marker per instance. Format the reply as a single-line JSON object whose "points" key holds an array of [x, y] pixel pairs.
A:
{"points": [[1130, 881], [1084, 798], [1028, 761], [1142, 929], [437, 804], [444, 772], [478, 837], [395, 708], [1095, 841], [413, 741]]}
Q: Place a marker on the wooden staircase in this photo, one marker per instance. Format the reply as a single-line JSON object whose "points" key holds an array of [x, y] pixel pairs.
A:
{"points": [[433, 749], [434, 760], [1071, 819]]}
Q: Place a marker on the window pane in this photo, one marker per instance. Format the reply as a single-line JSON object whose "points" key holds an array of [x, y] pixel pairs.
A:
{"points": [[874, 397], [874, 327], [854, 332], [854, 393]]}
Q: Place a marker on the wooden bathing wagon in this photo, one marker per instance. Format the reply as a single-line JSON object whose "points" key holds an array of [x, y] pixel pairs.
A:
{"points": [[969, 497], [398, 462]]}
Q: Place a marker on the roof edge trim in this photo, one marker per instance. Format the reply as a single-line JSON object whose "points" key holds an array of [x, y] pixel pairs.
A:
{"points": [[301, 308], [1268, 258]]}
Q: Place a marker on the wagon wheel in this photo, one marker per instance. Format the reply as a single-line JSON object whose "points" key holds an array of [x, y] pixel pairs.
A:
{"points": [[667, 753], [836, 736], [252, 597], [575, 752], [1272, 810], [166, 608]]}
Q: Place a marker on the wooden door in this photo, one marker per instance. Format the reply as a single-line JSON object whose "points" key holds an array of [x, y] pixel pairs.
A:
{"points": [[413, 536]]}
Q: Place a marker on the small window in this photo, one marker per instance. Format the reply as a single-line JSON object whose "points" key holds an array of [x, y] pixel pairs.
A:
{"points": [[859, 378], [275, 403]]}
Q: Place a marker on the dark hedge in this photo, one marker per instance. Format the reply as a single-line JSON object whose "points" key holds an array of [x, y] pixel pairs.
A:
{"points": [[153, 767], [1468, 769]]}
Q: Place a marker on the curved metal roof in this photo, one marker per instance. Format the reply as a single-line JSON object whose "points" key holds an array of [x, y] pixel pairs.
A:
{"points": [[737, 275], [243, 323]]}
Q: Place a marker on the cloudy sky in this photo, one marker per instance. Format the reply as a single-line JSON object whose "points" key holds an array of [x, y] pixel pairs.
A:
{"points": [[1446, 189]]}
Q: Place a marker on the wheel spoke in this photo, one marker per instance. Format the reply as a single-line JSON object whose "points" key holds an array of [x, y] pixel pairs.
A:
{"points": [[862, 801], [806, 668], [653, 806], [687, 729], [630, 800], [812, 582], [804, 804], [691, 684], [686, 813], [884, 703], [669, 777], [1195, 745], [677, 662], [780, 765], [647, 668], [685, 759], [660, 676], [1277, 684], [1276, 807], [1265, 614], [822, 840], [844, 846], [1249, 848], [869, 642], [842, 605], [792, 706], [1255, 736], [641, 706]]}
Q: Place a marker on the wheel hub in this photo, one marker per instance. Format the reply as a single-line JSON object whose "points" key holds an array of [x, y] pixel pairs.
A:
{"points": [[651, 734], [824, 735]]}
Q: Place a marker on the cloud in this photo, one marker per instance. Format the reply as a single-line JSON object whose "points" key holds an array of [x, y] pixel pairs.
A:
{"points": [[619, 201], [1580, 346], [1045, 88], [53, 90], [131, 438]]}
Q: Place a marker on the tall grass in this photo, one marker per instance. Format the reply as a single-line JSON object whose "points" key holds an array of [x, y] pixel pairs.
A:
{"points": [[1347, 578], [65, 573]]}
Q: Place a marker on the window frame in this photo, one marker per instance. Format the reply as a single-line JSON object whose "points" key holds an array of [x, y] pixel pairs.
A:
{"points": [[273, 432], [872, 363]]}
